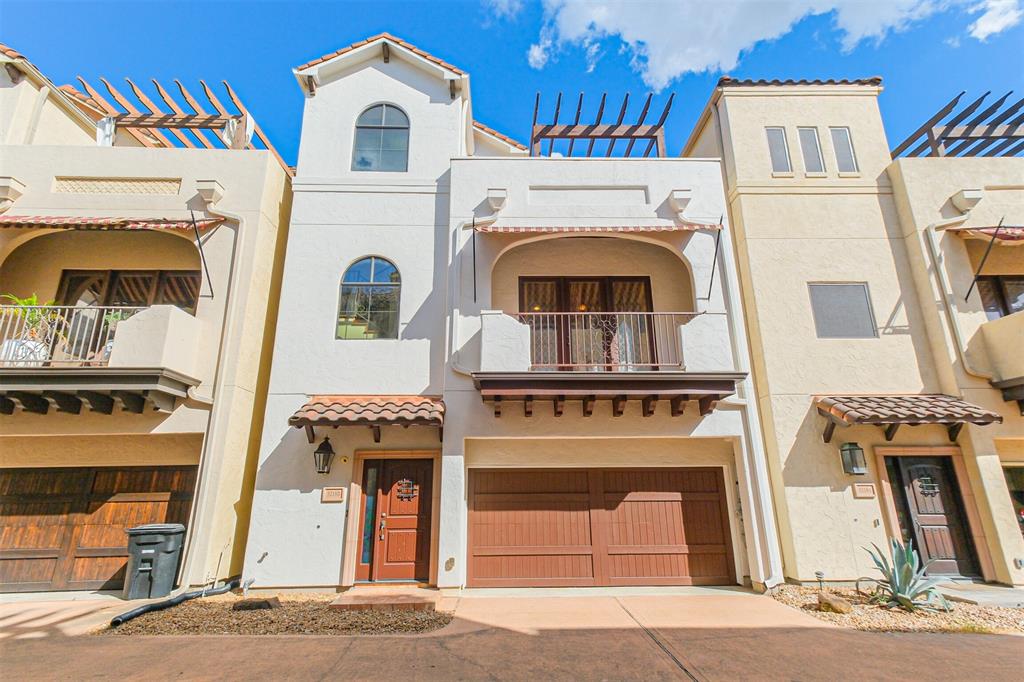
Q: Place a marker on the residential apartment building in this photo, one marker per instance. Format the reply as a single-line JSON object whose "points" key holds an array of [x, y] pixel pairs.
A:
{"points": [[494, 367], [137, 262], [881, 290]]}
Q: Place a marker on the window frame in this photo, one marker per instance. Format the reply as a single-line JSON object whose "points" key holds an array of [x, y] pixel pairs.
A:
{"points": [[849, 143], [998, 284], [870, 309], [395, 285], [355, 136], [109, 278], [803, 151], [785, 148]]}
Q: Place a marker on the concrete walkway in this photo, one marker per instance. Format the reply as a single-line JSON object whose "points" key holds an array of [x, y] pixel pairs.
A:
{"points": [[651, 637]]}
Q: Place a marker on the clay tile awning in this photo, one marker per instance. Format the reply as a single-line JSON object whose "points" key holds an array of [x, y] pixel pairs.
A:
{"points": [[102, 223], [1006, 235], [369, 410], [548, 229], [892, 411]]}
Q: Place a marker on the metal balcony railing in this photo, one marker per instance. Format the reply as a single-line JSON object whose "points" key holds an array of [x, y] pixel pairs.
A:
{"points": [[605, 342], [59, 336]]}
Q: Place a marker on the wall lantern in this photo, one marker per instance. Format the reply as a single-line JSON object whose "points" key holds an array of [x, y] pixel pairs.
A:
{"points": [[854, 463], [323, 455]]}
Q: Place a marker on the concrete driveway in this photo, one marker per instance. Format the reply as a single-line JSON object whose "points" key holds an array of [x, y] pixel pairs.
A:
{"points": [[716, 636]]}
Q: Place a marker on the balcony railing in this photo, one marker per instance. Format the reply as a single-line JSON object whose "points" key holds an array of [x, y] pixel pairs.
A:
{"points": [[605, 342], [59, 336]]}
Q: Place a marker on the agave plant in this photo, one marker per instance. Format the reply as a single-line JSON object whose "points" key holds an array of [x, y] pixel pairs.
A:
{"points": [[903, 583]]}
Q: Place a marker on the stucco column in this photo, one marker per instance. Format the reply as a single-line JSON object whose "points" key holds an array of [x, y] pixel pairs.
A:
{"points": [[451, 543]]}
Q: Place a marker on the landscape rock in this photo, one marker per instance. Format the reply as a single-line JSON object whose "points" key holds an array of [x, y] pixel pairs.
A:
{"points": [[834, 603], [256, 604]]}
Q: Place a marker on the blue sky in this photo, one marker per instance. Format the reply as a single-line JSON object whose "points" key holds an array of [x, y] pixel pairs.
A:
{"points": [[925, 50]]}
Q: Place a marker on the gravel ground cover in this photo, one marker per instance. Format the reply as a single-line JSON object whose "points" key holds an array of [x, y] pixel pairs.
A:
{"points": [[867, 616], [305, 615]]}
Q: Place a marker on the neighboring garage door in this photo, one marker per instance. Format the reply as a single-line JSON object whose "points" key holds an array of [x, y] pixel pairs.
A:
{"points": [[567, 527], [63, 529]]}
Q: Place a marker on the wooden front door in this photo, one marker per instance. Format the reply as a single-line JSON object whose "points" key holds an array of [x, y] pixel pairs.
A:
{"points": [[584, 527], [396, 518], [935, 515], [64, 529]]}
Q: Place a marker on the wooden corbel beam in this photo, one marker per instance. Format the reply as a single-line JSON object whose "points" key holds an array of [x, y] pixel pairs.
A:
{"points": [[528, 406], [954, 431], [310, 434], [497, 406], [706, 404], [558, 405], [588, 405], [830, 428], [678, 405], [649, 403], [376, 432], [890, 431], [618, 405]]}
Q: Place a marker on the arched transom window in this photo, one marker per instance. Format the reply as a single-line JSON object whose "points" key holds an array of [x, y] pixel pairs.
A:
{"points": [[369, 300], [382, 140]]}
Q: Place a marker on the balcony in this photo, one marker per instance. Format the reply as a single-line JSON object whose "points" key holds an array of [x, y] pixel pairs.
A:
{"points": [[1002, 339], [60, 356], [617, 356]]}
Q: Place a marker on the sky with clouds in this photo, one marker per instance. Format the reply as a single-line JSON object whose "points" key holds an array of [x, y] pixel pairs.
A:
{"points": [[927, 51]]}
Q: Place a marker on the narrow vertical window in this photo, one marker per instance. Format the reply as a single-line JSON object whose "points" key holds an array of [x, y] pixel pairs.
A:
{"points": [[382, 140], [811, 149], [846, 160], [779, 150]]}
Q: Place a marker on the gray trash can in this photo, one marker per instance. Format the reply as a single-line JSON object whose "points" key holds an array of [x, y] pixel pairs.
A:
{"points": [[154, 551]]}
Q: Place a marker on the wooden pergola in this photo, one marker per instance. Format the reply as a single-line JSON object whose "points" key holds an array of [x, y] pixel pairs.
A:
{"points": [[631, 132], [971, 130]]}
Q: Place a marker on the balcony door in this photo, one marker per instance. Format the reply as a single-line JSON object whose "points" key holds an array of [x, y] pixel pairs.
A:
{"points": [[589, 323]]}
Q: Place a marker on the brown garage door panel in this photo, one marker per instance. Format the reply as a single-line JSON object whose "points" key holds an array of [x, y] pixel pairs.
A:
{"points": [[605, 527], [64, 529]]}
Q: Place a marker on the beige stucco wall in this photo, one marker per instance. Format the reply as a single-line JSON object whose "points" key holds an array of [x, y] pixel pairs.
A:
{"points": [[671, 288], [107, 450], [35, 266]]}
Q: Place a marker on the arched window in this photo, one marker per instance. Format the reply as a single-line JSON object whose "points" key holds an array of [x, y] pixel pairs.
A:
{"points": [[369, 300], [382, 140]]}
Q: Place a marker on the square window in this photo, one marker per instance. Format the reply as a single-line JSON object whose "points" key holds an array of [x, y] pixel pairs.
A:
{"points": [[842, 311], [846, 160], [778, 150], [813, 163]]}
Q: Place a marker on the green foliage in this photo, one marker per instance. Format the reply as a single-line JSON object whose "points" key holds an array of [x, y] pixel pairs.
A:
{"points": [[903, 582], [35, 314]]}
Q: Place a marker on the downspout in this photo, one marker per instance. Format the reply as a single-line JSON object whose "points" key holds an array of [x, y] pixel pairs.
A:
{"points": [[757, 458], [465, 224], [210, 191], [944, 291]]}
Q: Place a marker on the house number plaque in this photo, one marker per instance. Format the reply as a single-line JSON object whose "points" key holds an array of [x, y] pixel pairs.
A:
{"points": [[332, 495], [406, 489]]}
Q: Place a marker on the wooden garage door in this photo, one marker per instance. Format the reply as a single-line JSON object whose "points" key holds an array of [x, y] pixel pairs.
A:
{"points": [[64, 529], [581, 527]]}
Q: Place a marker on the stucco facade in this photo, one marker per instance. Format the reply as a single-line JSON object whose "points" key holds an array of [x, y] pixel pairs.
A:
{"points": [[219, 349], [794, 228], [458, 314]]}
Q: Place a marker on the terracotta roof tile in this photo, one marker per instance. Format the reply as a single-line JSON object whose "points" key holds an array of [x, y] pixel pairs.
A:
{"points": [[382, 36], [500, 136], [11, 53], [339, 410], [903, 409], [103, 223], [729, 81]]}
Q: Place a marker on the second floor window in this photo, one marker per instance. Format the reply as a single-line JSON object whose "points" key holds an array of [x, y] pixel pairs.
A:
{"points": [[1001, 295], [130, 288], [382, 140], [842, 310], [811, 149], [778, 150], [843, 145], [368, 308]]}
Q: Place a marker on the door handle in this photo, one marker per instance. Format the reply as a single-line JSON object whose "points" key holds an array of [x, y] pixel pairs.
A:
{"points": [[383, 524]]}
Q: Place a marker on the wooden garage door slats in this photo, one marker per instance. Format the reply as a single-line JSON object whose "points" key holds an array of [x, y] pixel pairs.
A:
{"points": [[563, 527], [64, 529]]}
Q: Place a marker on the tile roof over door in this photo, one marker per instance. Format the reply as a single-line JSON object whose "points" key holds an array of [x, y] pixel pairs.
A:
{"points": [[903, 409], [373, 410]]}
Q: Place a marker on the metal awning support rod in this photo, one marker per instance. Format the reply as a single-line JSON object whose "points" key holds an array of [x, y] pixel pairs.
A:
{"points": [[981, 265]]}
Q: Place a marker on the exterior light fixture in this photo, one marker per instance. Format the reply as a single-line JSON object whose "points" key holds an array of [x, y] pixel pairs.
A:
{"points": [[323, 455], [854, 463]]}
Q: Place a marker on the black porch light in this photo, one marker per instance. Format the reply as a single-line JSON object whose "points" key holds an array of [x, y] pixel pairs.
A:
{"points": [[323, 455], [854, 463]]}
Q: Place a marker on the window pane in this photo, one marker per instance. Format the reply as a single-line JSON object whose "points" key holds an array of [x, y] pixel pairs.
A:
{"points": [[1015, 483], [374, 116], [393, 116], [777, 150], [842, 311], [991, 298], [132, 289], [1014, 290], [383, 325], [843, 146], [394, 139], [384, 271], [359, 271], [811, 150], [365, 160], [392, 161]]}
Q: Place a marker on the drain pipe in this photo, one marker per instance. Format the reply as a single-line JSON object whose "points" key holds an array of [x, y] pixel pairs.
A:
{"points": [[497, 202], [123, 618]]}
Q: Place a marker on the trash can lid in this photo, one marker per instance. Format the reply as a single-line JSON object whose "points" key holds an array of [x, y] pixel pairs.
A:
{"points": [[151, 528]]}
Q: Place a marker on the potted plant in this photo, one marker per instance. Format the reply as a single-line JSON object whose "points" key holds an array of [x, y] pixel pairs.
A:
{"points": [[29, 331]]}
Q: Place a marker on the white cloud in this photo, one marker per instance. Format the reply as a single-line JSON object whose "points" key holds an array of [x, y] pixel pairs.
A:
{"points": [[504, 9], [667, 38], [996, 17]]}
